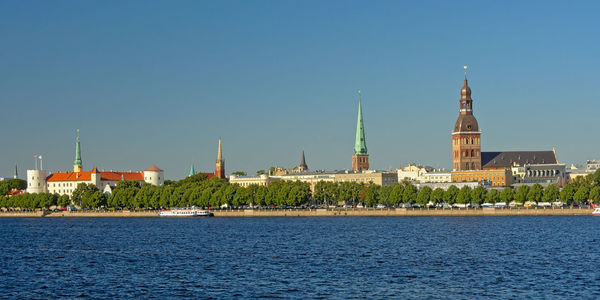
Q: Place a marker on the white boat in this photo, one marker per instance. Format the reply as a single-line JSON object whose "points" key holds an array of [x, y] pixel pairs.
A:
{"points": [[596, 211], [185, 213]]}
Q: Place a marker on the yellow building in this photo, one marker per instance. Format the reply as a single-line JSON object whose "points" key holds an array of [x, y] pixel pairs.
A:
{"points": [[496, 177]]}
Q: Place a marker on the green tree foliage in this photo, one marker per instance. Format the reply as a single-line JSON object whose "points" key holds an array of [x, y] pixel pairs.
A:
{"points": [[372, 194], [478, 195], [567, 193], [80, 190], [451, 194], [535, 193], [493, 196], [582, 194], [239, 173], [521, 194], [396, 195], [507, 195], [595, 195], [63, 200], [385, 194], [12, 184], [128, 184], [464, 195], [424, 196], [437, 196], [410, 194], [551, 193], [260, 172]]}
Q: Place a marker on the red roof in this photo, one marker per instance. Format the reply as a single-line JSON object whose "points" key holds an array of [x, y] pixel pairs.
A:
{"points": [[154, 168], [87, 176], [16, 192]]}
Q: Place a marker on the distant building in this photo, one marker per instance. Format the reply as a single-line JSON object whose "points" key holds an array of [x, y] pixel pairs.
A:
{"points": [[360, 159], [592, 166], [471, 164], [64, 183], [245, 181]]}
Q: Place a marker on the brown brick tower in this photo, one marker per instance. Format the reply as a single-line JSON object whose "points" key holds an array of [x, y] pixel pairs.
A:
{"points": [[466, 137], [220, 164]]}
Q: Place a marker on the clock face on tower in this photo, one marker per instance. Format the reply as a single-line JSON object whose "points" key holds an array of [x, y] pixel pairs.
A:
{"points": [[469, 126]]}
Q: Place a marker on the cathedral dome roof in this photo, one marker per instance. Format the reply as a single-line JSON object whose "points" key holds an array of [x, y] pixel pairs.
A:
{"points": [[466, 123]]}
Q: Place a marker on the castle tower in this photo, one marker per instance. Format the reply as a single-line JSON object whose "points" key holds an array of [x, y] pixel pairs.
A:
{"points": [[77, 165], [154, 176], [36, 181], [360, 159], [220, 165], [466, 137]]}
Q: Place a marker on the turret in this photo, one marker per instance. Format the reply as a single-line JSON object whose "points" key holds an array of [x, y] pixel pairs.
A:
{"points": [[154, 176]]}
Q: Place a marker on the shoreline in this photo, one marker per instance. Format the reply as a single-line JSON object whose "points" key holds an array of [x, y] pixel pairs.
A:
{"points": [[398, 212]]}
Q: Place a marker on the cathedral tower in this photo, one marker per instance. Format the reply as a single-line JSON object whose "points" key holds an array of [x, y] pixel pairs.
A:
{"points": [[360, 159], [220, 165], [466, 137], [77, 165]]}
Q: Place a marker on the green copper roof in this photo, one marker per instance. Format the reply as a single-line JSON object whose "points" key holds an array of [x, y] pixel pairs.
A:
{"points": [[192, 171], [360, 145], [77, 151]]}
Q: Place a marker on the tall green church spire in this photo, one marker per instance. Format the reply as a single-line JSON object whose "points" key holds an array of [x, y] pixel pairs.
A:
{"points": [[192, 171], [77, 165], [360, 145]]}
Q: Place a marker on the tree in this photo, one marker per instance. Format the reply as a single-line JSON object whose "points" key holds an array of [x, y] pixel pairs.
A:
{"points": [[451, 194], [81, 189], [384, 195], [424, 195], [93, 199], [372, 194], [595, 195], [535, 193], [437, 196], [410, 194], [478, 194], [260, 172], [507, 195], [239, 173], [464, 195], [582, 194], [123, 184], [493, 196], [396, 194], [551, 193], [567, 193], [63, 200], [521, 194]]}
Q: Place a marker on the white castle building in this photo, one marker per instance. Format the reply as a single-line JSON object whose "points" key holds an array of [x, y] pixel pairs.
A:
{"points": [[38, 181]]}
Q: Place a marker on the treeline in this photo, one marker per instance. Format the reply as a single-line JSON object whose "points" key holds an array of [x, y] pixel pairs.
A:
{"points": [[197, 190]]}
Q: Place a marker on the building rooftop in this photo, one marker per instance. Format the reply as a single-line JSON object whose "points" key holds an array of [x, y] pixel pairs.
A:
{"points": [[509, 158]]}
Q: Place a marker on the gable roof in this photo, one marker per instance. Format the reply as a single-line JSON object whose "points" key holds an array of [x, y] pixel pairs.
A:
{"points": [[87, 176], [508, 158]]}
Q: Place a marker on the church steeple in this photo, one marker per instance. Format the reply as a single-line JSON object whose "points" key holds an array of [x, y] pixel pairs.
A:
{"points": [[77, 165], [466, 137], [220, 164], [192, 171], [16, 173], [302, 166], [360, 160]]}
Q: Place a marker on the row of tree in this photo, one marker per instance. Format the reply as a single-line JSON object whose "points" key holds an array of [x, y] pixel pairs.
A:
{"points": [[197, 190]]}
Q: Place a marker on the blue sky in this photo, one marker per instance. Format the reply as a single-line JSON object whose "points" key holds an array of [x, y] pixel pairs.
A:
{"points": [[158, 82]]}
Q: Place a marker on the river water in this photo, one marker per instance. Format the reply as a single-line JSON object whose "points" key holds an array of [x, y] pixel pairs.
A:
{"points": [[328, 257]]}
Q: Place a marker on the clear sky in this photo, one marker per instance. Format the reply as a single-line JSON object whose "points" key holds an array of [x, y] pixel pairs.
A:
{"points": [[158, 82]]}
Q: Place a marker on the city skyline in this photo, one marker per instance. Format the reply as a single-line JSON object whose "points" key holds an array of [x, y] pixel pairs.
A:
{"points": [[154, 89]]}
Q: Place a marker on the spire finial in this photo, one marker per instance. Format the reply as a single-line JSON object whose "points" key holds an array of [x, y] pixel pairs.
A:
{"points": [[465, 67]]}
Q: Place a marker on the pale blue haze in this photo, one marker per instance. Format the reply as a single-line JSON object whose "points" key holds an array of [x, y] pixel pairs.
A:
{"points": [[157, 82]]}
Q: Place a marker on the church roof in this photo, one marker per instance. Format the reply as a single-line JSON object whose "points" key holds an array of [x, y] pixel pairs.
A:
{"points": [[508, 158]]}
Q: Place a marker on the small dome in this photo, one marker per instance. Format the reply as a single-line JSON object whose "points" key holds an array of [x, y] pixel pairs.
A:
{"points": [[466, 123]]}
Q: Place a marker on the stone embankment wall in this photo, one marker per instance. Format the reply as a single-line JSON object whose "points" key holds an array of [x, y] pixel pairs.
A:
{"points": [[399, 212]]}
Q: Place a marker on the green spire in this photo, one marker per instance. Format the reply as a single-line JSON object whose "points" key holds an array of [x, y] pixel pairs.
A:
{"points": [[16, 173], [77, 151], [192, 171], [360, 145]]}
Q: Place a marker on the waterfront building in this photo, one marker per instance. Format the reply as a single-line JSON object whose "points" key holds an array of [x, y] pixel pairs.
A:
{"points": [[360, 159], [64, 183], [435, 177], [411, 172], [245, 181], [469, 163]]}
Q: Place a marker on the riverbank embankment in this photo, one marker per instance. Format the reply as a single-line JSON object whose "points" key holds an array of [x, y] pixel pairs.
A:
{"points": [[398, 212]]}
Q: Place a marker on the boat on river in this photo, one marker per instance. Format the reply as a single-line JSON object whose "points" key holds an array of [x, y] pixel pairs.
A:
{"points": [[185, 213], [596, 211]]}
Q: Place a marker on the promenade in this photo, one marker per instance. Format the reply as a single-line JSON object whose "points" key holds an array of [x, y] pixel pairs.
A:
{"points": [[398, 212]]}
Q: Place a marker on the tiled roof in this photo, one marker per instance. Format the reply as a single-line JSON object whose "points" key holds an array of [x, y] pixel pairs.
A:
{"points": [[506, 159], [154, 168], [87, 176]]}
